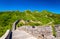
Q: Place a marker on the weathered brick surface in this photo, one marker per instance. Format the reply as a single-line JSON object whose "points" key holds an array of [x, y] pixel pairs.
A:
{"points": [[40, 32]]}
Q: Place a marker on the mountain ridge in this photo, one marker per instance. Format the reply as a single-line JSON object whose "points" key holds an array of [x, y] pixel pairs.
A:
{"points": [[8, 17]]}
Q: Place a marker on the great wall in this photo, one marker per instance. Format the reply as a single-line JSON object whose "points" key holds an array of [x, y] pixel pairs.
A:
{"points": [[31, 32]]}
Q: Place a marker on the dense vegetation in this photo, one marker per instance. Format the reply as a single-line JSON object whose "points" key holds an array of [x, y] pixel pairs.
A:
{"points": [[45, 17]]}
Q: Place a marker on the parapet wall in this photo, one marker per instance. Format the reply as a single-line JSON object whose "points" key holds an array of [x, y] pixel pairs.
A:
{"points": [[6, 35], [14, 25]]}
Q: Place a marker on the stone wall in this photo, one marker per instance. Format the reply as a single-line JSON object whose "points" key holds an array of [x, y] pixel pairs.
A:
{"points": [[43, 32], [14, 25], [6, 35], [40, 32]]}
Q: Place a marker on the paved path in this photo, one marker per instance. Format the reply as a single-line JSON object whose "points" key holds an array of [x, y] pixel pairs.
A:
{"points": [[20, 34]]}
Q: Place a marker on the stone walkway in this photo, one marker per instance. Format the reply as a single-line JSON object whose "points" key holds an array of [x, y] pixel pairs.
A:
{"points": [[38, 32], [20, 34]]}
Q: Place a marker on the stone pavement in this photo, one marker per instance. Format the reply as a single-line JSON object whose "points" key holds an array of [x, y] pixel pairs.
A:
{"points": [[20, 34], [37, 32], [40, 32]]}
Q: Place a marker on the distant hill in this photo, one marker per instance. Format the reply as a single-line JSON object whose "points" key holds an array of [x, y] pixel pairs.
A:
{"points": [[45, 17]]}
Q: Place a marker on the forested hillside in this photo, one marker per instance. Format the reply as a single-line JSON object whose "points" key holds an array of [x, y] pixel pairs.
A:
{"points": [[45, 17]]}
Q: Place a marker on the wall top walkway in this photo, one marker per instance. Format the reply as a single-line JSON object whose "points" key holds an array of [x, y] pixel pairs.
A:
{"points": [[14, 25]]}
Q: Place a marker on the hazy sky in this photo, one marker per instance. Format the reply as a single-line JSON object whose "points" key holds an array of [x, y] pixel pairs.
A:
{"points": [[50, 5]]}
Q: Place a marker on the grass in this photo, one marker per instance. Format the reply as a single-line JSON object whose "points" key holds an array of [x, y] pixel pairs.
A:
{"points": [[7, 18]]}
